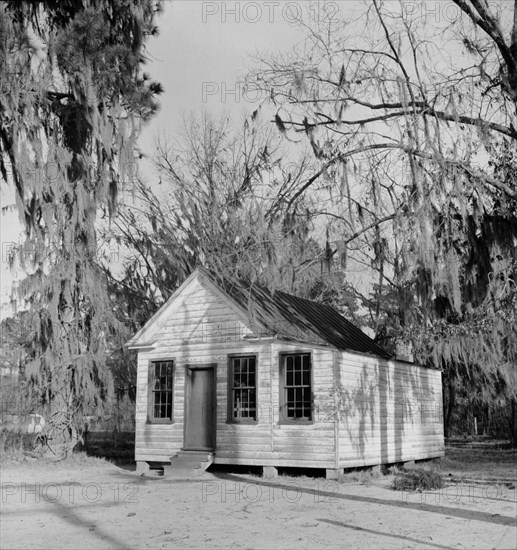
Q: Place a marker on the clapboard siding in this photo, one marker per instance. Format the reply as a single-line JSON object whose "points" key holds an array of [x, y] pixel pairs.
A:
{"points": [[365, 410], [228, 436], [189, 336], [201, 317], [259, 460], [305, 443], [388, 411], [247, 438]]}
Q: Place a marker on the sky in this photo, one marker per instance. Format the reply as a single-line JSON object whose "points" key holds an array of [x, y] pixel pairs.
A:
{"points": [[200, 56], [203, 50]]}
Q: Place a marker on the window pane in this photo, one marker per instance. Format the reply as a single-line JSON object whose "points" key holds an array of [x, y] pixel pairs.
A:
{"points": [[298, 396], [244, 372], [243, 392], [162, 389], [306, 376], [297, 389], [289, 379], [290, 401], [298, 376], [236, 380], [163, 375], [244, 404]]}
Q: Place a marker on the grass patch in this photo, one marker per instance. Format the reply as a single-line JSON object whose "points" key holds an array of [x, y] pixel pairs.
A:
{"points": [[417, 480], [480, 459]]}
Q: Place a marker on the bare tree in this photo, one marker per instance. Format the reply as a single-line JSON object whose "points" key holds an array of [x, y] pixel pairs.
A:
{"points": [[217, 205], [413, 119]]}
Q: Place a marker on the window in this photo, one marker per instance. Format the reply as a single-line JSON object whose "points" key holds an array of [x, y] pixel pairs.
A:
{"points": [[160, 391], [295, 387], [242, 386]]}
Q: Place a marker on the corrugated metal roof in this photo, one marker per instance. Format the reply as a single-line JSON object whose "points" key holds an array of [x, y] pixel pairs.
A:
{"points": [[296, 318]]}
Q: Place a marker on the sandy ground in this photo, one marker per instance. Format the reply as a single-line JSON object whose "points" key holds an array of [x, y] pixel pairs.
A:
{"points": [[102, 506]]}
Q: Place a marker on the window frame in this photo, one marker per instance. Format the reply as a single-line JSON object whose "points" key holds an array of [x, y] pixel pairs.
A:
{"points": [[282, 363], [229, 382], [150, 393]]}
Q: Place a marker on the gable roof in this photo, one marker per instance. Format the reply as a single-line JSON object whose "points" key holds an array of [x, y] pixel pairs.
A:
{"points": [[283, 315], [288, 316]]}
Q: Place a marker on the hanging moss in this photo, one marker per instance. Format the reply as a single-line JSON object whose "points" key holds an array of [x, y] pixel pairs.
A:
{"points": [[65, 138]]}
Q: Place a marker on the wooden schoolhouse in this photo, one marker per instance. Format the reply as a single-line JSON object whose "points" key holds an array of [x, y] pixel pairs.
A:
{"points": [[230, 373]]}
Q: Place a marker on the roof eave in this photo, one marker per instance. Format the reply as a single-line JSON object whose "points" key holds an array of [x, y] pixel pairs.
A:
{"points": [[140, 345]]}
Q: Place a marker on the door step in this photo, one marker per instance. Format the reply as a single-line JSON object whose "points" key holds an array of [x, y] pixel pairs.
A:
{"points": [[188, 463]]}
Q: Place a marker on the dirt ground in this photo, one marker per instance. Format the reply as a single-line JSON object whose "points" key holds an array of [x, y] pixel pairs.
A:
{"points": [[95, 504]]}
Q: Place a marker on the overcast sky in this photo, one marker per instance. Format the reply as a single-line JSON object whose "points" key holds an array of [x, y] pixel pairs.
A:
{"points": [[200, 56]]}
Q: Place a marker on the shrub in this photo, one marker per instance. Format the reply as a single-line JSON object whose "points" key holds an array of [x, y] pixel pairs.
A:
{"points": [[14, 446], [417, 480]]}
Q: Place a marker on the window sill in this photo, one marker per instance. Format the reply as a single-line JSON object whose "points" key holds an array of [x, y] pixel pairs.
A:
{"points": [[243, 422], [295, 422], [157, 422]]}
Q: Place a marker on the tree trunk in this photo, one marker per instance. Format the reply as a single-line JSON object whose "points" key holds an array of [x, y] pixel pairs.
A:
{"points": [[450, 407]]}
